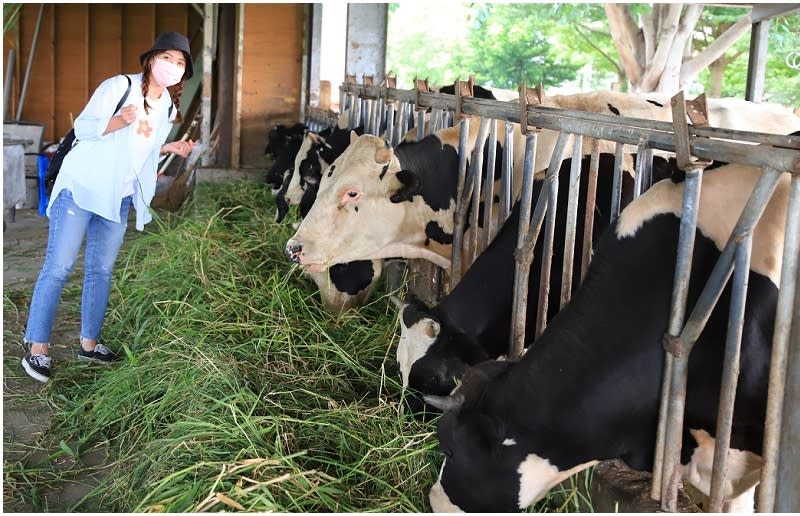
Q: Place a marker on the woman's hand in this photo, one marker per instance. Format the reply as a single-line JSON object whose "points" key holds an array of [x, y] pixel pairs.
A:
{"points": [[181, 148]]}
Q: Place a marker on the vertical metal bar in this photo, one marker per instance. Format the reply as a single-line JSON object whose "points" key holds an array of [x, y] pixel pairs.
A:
{"points": [[390, 113], [680, 289], [420, 125], [458, 229], [477, 182], [572, 220], [591, 200], [787, 494], [780, 351], [616, 188], [730, 370], [551, 184], [643, 168], [524, 253], [488, 198], [508, 172]]}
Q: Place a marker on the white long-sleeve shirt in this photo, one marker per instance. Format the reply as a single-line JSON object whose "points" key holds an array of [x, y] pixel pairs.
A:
{"points": [[96, 168]]}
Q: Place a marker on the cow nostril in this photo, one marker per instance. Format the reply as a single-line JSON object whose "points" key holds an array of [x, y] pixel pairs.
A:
{"points": [[293, 252]]}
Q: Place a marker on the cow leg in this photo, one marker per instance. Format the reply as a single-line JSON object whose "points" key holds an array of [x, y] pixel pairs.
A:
{"points": [[744, 471]]}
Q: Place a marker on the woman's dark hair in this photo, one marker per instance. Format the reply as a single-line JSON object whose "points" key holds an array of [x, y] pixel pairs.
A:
{"points": [[174, 91]]}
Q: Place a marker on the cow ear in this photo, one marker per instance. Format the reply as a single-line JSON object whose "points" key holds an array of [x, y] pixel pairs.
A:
{"points": [[410, 186], [353, 137], [432, 329], [383, 155]]}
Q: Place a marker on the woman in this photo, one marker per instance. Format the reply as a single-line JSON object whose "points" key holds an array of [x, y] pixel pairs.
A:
{"points": [[112, 167]]}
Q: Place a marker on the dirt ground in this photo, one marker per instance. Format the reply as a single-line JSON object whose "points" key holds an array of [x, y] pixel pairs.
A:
{"points": [[25, 417]]}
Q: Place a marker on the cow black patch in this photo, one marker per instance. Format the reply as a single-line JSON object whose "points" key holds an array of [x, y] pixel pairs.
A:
{"points": [[383, 171], [659, 104], [330, 170], [436, 233], [613, 109], [436, 166], [353, 277]]}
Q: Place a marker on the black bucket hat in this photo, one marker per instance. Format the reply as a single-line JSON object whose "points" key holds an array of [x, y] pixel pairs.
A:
{"points": [[172, 41]]}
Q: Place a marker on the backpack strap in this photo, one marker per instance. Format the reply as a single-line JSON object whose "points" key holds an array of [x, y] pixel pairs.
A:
{"points": [[124, 97]]}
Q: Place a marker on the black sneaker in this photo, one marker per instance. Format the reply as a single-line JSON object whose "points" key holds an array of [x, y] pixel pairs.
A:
{"points": [[37, 366], [100, 354]]}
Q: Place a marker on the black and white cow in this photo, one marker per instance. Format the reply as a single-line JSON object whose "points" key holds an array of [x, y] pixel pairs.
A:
{"points": [[282, 146], [588, 388], [473, 322]]}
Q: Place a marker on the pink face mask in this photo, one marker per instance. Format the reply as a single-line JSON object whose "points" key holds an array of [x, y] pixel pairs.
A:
{"points": [[166, 74]]}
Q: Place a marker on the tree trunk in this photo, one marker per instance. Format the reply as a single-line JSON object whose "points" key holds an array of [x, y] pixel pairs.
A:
{"points": [[717, 70]]}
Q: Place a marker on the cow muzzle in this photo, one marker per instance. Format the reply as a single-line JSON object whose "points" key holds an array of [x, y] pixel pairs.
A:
{"points": [[293, 252]]}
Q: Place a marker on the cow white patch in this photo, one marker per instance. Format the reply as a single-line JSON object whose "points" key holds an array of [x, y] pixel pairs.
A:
{"points": [[414, 343], [294, 192], [537, 476], [744, 472], [509, 442], [440, 502]]}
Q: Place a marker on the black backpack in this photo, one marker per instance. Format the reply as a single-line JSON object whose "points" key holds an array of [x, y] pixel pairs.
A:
{"points": [[66, 145]]}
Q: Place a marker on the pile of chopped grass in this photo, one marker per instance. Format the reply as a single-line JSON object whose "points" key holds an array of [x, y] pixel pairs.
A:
{"points": [[239, 391]]}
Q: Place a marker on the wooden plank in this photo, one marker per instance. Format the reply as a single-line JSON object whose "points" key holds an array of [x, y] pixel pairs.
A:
{"points": [[138, 34], [71, 60], [171, 17], [105, 42], [271, 74]]}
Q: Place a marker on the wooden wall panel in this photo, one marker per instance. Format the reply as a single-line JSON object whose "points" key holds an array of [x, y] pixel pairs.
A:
{"points": [[171, 17], [138, 33], [39, 98], [105, 43], [271, 76], [71, 62]]}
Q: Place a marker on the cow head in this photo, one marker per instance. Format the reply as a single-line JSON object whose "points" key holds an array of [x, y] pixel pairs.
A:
{"points": [[360, 210], [482, 448], [431, 356], [307, 170], [284, 143]]}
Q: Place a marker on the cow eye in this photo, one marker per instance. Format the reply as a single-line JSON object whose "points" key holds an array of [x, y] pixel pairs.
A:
{"points": [[352, 194]]}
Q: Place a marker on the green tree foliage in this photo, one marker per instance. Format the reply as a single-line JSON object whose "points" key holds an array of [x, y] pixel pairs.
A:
{"points": [[513, 43], [505, 43]]}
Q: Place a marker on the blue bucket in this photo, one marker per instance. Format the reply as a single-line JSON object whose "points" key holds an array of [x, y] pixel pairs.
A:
{"points": [[44, 162]]}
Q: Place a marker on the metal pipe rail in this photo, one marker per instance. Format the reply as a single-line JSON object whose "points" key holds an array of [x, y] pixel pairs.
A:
{"points": [[621, 129]]}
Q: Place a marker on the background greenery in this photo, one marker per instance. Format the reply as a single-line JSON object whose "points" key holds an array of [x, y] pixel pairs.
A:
{"points": [[560, 45]]}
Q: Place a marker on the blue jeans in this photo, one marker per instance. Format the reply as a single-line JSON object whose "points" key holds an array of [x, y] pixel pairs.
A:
{"points": [[68, 226]]}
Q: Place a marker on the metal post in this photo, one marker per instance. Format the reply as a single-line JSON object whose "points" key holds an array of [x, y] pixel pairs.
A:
{"points": [[488, 197], [730, 370], [508, 172], [524, 252], [616, 187], [680, 290], [789, 288], [458, 230], [591, 200], [477, 183], [551, 185], [572, 220]]}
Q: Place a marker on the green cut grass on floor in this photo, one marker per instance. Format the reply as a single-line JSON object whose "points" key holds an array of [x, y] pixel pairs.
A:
{"points": [[238, 391]]}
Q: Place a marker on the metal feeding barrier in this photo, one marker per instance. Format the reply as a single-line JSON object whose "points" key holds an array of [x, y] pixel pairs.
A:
{"points": [[386, 111]]}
